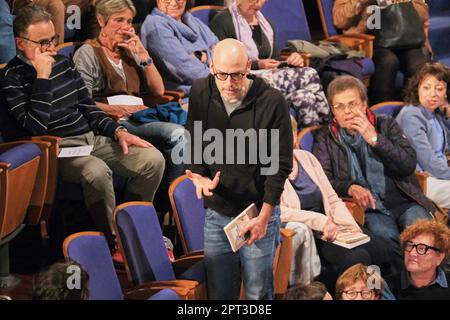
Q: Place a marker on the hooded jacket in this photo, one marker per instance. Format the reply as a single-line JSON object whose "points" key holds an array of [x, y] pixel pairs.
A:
{"points": [[241, 184], [393, 149]]}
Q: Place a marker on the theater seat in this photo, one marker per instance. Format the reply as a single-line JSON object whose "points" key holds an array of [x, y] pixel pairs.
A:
{"points": [[91, 251], [18, 171]]}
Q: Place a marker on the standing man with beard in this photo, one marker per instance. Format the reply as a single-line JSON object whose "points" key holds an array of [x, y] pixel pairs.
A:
{"points": [[227, 100]]}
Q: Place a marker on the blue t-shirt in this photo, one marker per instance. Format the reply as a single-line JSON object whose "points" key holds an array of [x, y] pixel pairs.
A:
{"points": [[308, 192]]}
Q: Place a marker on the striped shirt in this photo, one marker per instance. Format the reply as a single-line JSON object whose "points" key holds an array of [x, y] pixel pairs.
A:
{"points": [[59, 106]]}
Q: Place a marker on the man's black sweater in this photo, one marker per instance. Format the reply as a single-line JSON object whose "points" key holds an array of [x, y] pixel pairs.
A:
{"points": [[241, 184]]}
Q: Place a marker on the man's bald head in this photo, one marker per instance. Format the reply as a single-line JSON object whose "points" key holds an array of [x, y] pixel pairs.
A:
{"points": [[230, 62], [230, 52]]}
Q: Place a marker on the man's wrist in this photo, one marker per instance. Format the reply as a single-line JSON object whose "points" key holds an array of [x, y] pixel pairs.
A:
{"points": [[118, 131], [42, 76]]}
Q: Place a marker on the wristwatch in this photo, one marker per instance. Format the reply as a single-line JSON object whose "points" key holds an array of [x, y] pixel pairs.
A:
{"points": [[119, 129], [148, 62]]}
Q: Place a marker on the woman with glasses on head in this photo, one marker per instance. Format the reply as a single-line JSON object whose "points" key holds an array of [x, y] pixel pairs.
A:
{"points": [[426, 124], [426, 245], [359, 282], [300, 85], [180, 43]]}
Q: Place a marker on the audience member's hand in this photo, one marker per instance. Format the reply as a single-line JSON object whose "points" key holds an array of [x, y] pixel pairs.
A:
{"points": [[268, 64], [329, 231], [256, 228], [362, 196], [134, 45], [203, 185], [125, 140], [295, 59], [204, 57], [361, 124], [117, 112], [43, 63]]}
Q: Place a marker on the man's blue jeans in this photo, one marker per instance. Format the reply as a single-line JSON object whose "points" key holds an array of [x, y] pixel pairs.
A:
{"points": [[253, 264], [389, 228], [160, 135]]}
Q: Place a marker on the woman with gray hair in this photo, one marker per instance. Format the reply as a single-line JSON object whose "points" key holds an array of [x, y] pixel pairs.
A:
{"points": [[116, 63], [368, 158]]}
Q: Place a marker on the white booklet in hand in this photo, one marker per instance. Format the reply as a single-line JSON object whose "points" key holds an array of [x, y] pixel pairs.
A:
{"points": [[233, 229], [350, 240]]}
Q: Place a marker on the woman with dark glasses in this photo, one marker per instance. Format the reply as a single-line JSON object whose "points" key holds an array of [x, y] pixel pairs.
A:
{"points": [[426, 245]]}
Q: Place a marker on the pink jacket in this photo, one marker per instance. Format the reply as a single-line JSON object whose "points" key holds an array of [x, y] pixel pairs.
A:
{"points": [[334, 207]]}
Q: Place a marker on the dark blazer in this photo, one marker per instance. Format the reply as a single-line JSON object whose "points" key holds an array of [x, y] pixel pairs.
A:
{"points": [[398, 157]]}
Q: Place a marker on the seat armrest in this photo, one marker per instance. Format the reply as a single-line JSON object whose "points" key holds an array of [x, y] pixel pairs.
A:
{"points": [[193, 254], [287, 233], [184, 263], [151, 101], [422, 178], [360, 42], [144, 291], [177, 95], [283, 264], [356, 211], [306, 56], [37, 204], [52, 178]]}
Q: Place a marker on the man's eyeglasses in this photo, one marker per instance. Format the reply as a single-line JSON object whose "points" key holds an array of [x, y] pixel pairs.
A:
{"points": [[352, 105], [222, 76], [421, 248], [46, 42], [352, 294]]}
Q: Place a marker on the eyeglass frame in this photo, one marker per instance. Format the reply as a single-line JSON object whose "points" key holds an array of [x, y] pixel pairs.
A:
{"points": [[413, 245], [54, 40], [240, 74], [361, 293], [167, 2], [351, 106]]}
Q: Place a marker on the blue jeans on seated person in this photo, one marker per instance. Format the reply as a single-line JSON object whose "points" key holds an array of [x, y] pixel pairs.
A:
{"points": [[160, 135], [254, 264], [389, 228]]}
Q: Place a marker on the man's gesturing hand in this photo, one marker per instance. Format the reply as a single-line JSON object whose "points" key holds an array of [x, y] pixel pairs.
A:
{"points": [[202, 184]]}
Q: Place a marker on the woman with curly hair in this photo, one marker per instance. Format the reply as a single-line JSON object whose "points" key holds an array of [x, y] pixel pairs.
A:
{"points": [[426, 245]]}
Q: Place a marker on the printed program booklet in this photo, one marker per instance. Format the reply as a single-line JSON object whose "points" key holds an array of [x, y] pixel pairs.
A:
{"points": [[350, 240], [233, 229]]}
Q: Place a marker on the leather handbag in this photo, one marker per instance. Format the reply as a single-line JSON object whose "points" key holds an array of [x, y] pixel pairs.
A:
{"points": [[401, 27]]}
